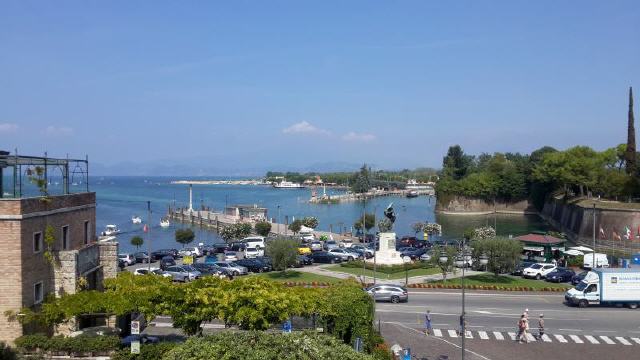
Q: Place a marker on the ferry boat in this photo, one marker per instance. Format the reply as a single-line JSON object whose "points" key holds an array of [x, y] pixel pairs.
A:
{"points": [[288, 185], [164, 223], [412, 194], [136, 219], [111, 230]]}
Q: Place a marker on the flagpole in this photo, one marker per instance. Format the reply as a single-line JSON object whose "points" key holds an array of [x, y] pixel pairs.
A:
{"points": [[593, 262], [149, 235]]}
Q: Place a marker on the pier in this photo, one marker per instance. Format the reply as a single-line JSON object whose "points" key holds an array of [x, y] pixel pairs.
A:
{"points": [[368, 195]]}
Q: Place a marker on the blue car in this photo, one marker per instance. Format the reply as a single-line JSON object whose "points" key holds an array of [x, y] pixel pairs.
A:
{"points": [[560, 275]]}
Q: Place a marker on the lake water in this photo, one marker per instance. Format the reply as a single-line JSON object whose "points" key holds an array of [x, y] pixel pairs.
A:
{"points": [[119, 198]]}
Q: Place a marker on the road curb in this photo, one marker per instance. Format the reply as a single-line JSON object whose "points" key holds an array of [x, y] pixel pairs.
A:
{"points": [[487, 287]]}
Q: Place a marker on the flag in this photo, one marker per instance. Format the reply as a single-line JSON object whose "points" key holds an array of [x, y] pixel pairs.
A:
{"points": [[146, 228], [615, 235], [627, 233], [638, 234], [602, 235]]}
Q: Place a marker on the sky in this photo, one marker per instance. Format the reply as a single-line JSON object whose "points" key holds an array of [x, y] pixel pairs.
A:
{"points": [[212, 87]]}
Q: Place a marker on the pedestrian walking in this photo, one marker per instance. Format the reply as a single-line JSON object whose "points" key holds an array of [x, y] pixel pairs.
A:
{"points": [[541, 326], [463, 324], [427, 323], [522, 329]]}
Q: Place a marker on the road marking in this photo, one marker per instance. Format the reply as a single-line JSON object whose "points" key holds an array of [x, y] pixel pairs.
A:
{"points": [[560, 338], [530, 337], [576, 339], [636, 340], [502, 295], [607, 340], [437, 332], [592, 339], [498, 335], [483, 335], [467, 334], [453, 334], [546, 338], [570, 329], [512, 335], [602, 331], [622, 340]]}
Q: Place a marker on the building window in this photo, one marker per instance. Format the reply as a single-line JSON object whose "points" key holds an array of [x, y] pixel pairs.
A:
{"points": [[65, 237], [38, 292], [37, 242], [86, 232]]}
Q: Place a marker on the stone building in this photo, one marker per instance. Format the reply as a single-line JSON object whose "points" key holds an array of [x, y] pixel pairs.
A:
{"points": [[28, 274]]}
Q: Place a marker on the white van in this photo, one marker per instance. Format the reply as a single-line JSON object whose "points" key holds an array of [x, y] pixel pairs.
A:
{"points": [[601, 261], [254, 242]]}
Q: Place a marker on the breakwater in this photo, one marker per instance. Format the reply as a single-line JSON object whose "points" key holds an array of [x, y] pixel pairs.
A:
{"points": [[368, 195]]}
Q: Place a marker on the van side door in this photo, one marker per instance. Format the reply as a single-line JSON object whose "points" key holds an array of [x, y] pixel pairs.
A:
{"points": [[592, 294]]}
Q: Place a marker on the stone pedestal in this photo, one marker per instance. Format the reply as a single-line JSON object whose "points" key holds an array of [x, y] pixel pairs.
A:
{"points": [[387, 255]]}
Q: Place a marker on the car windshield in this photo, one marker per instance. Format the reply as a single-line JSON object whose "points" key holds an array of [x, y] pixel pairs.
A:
{"points": [[189, 268], [535, 266], [231, 253], [581, 286]]}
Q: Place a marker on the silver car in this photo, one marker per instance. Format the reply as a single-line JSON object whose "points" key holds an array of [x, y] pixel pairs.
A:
{"points": [[183, 273], [345, 255], [392, 293], [233, 268]]}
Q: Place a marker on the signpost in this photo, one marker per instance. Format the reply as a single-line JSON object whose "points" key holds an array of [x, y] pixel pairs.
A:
{"points": [[187, 260], [286, 327], [135, 328], [135, 347]]}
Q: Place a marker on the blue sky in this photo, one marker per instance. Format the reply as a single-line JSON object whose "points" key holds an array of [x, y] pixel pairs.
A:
{"points": [[265, 84]]}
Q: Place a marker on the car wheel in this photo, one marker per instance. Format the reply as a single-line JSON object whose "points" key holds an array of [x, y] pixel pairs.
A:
{"points": [[538, 277], [583, 303], [633, 306], [260, 270], [350, 258], [395, 299], [332, 261], [236, 273]]}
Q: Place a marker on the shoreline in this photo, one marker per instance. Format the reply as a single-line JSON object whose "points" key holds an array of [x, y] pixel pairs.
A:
{"points": [[481, 213]]}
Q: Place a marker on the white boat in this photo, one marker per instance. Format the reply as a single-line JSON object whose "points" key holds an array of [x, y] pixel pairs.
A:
{"points": [[111, 230], [288, 185], [164, 223], [136, 219]]}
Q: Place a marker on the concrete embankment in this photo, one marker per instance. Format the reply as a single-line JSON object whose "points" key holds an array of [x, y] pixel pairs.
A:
{"points": [[462, 205]]}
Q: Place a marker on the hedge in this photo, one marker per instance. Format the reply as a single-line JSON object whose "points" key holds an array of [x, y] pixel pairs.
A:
{"points": [[79, 344], [147, 352], [385, 269], [485, 287]]}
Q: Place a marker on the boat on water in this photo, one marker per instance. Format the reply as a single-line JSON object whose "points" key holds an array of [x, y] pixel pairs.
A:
{"points": [[288, 185], [164, 223], [136, 219], [412, 194], [111, 230]]}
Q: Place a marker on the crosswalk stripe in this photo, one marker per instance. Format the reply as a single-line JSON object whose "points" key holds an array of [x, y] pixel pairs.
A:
{"points": [[607, 340], [636, 340], [483, 335], [512, 335], [546, 338], [498, 335], [592, 339], [576, 339], [530, 337], [452, 333], [622, 340], [560, 338], [437, 332], [468, 335]]}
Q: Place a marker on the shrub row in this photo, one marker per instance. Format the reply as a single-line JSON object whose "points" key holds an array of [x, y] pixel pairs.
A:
{"points": [[80, 344], [485, 287], [385, 269]]}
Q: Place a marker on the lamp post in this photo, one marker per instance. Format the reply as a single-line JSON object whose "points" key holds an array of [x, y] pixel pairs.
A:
{"points": [[462, 260]]}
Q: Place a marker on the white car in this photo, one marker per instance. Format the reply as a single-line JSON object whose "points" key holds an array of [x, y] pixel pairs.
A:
{"points": [[128, 259], [230, 256], [254, 242], [538, 271], [154, 270], [345, 255], [346, 243], [307, 237], [190, 251], [252, 253]]}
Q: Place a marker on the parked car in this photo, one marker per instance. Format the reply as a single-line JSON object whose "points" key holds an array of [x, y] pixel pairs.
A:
{"points": [[154, 271], [307, 238], [407, 241], [521, 266], [141, 257], [211, 269], [266, 260], [305, 260], [422, 244], [538, 271], [325, 257], [254, 242], [190, 251], [237, 246], [252, 253], [330, 244], [367, 251], [220, 248], [346, 256], [207, 249], [231, 256], [159, 254], [392, 293], [575, 279], [304, 249], [183, 273], [127, 258], [426, 256], [121, 264], [233, 267], [166, 262], [560, 275], [346, 243], [316, 246], [142, 338], [359, 253], [254, 265], [411, 252]]}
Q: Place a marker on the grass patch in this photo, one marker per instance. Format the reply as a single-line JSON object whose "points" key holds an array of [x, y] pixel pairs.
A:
{"points": [[292, 275], [381, 275], [503, 281]]}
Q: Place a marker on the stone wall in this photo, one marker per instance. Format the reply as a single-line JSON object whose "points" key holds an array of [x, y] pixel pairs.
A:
{"points": [[10, 278], [463, 204]]}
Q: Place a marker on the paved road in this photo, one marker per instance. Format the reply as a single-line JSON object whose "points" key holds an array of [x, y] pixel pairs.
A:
{"points": [[492, 317]]}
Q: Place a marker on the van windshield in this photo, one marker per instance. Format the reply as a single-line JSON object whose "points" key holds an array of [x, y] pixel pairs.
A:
{"points": [[535, 266], [581, 286]]}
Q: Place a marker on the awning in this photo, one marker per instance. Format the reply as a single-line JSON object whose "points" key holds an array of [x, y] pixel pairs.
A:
{"points": [[533, 248], [573, 252]]}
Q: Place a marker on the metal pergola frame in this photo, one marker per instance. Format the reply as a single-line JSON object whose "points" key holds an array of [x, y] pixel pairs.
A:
{"points": [[69, 169]]}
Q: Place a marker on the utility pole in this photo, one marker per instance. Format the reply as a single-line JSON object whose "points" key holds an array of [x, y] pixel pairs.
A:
{"points": [[149, 234], [593, 262]]}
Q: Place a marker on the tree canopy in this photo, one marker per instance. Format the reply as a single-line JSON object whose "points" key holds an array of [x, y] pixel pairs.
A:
{"points": [[283, 253], [185, 236], [262, 228]]}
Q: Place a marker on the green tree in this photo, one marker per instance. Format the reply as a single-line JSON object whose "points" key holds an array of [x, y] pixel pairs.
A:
{"points": [[283, 253], [456, 163], [362, 182], [185, 236], [451, 252], [385, 225], [369, 222], [503, 253], [262, 228], [310, 222], [295, 226], [243, 230], [137, 241], [417, 227]]}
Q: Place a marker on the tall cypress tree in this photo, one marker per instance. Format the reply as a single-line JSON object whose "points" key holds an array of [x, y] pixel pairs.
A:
{"points": [[630, 155]]}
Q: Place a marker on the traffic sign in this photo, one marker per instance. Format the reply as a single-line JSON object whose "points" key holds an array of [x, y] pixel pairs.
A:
{"points": [[187, 260], [135, 347], [286, 327], [135, 327]]}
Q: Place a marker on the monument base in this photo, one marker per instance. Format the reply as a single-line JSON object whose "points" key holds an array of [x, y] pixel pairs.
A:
{"points": [[387, 255]]}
